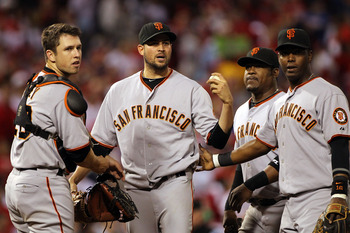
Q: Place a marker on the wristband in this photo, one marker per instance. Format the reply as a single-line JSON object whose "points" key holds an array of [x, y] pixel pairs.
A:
{"points": [[257, 181], [216, 160], [338, 195], [225, 159], [340, 185]]}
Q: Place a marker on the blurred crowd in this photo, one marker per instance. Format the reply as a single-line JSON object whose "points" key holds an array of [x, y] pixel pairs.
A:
{"points": [[212, 34]]}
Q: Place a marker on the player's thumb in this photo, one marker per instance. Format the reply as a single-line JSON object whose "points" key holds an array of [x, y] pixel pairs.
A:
{"points": [[200, 147]]}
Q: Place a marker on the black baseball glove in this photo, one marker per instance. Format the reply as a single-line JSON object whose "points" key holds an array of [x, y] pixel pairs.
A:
{"points": [[103, 202]]}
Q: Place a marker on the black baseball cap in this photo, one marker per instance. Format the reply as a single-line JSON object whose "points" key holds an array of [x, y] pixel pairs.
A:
{"points": [[150, 30], [260, 54], [295, 37]]}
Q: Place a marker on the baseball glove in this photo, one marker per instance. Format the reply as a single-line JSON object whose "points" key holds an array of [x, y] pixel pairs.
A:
{"points": [[104, 202], [340, 225]]}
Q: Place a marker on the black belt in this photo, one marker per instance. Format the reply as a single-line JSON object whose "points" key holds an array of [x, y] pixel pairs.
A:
{"points": [[59, 173], [165, 178], [176, 175], [263, 202]]}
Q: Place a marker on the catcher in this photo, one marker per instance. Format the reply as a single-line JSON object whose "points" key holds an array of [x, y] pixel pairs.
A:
{"points": [[104, 201]]}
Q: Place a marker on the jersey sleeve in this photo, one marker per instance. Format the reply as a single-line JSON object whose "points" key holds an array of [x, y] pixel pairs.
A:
{"points": [[334, 116], [71, 129], [103, 130], [267, 134], [202, 112]]}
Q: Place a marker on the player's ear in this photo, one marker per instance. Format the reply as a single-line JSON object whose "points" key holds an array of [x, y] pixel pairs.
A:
{"points": [[310, 55], [275, 72], [50, 55], [140, 49]]}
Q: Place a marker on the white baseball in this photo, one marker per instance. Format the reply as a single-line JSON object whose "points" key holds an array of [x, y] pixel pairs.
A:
{"points": [[214, 77]]}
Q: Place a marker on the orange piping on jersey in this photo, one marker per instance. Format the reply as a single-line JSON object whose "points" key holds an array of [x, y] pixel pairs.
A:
{"points": [[55, 82], [43, 71], [302, 84], [266, 144], [171, 71], [78, 148], [338, 135], [67, 107], [53, 203], [266, 99], [105, 145], [47, 73], [208, 136]]}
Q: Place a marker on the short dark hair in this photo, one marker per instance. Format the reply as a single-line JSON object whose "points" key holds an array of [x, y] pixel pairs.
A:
{"points": [[50, 37]]}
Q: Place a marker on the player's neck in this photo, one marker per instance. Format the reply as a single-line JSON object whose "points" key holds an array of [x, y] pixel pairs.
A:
{"points": [[57, 71], [154, 74], [303, 79], [259, 97]]}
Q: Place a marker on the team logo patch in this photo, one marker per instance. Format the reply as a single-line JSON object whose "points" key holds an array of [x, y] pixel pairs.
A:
{"points": [[255, 51], [340, 116], [290, 33], [158, 26]]}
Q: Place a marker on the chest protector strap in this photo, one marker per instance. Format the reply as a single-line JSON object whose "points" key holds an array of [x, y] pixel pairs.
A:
{"points": [[22, 118]]}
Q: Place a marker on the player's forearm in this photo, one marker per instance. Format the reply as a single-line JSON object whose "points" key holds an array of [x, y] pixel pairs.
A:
{"points": [[271, 173], [98, 164], [249, 151], [226, 117], [79, 174]]}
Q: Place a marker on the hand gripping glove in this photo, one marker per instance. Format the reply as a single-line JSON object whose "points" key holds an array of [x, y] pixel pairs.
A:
{"points": [[103, 202], [339, 225]]}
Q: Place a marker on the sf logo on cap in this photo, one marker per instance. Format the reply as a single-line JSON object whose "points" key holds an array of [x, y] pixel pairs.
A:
{"points": [[255, 51], [158, 26], [290, 33]]}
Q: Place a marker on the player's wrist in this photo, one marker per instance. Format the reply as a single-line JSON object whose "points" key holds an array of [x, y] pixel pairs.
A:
{"points": [[216, 160], [339, 195], [340, 186], [222, 160], [228, 101]]}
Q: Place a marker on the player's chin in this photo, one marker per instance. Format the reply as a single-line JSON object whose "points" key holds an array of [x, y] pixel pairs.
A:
{"points": [[251, 88], [74, 70]]}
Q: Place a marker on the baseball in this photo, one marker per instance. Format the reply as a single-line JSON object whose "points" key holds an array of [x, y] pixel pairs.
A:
{"points": [[214, 77]]}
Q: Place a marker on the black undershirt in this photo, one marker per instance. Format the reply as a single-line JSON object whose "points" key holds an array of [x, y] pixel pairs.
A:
{"points": [[152, 82]]}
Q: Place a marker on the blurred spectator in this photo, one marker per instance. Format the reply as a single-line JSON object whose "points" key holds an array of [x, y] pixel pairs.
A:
{"points": [[201, 217]]}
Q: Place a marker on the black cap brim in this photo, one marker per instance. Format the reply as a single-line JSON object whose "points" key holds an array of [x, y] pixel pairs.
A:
{"points": [[291, 44], [171, 35], [244, 61]]}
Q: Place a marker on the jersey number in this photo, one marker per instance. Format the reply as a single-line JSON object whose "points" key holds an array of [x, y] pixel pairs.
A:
{"points": [[20, 132]]}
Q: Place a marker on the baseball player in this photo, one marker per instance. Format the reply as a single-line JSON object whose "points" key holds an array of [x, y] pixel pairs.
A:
{"points": [[309, 125], [260, 78], [37, 192], [152, 117]]}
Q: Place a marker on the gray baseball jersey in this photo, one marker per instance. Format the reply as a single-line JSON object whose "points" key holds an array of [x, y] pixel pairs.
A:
{"points": [[301, 124], [49, 111], [154, 129], [247, 123]]}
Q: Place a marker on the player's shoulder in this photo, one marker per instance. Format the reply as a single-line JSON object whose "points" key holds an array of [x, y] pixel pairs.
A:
{"points": [[183, 80], [53, 91], [324, 87], [126, 81]]}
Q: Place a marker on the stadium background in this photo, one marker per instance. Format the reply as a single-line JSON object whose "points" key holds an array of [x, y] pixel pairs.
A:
{"points": [[212, 34]]}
